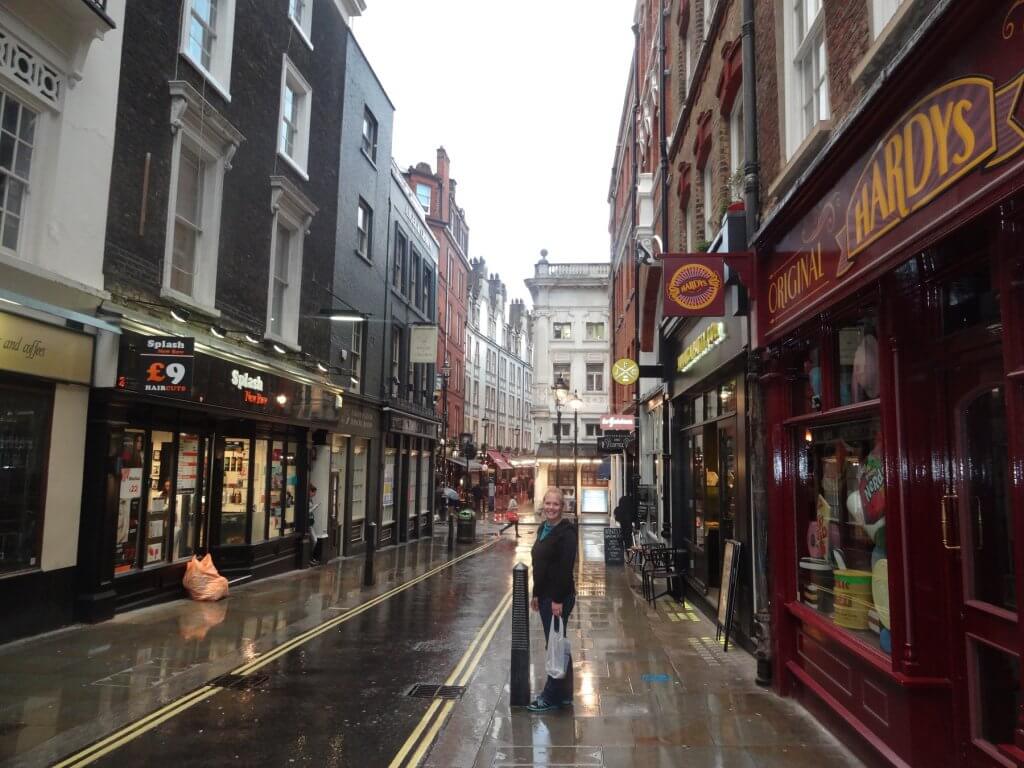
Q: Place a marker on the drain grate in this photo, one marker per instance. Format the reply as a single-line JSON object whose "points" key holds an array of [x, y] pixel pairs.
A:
{"points": [[240, 682], [433, 691]]}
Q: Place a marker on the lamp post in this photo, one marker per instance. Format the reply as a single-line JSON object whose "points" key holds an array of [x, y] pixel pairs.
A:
{"points": [[446, 372], [575, 403], [561, 390]]}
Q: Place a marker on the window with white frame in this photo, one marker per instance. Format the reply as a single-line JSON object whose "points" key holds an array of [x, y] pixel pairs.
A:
{"points": [[355, 356], [561, 372], [301, 14], [561, 331], [595, 377], [203, 145], [423, 195], [882, 12], [17, 141], [369, 140], [293, 213], [708, 190], [806, 83], [296, 103], [208, 28], [364, 230], [593, 430], [564, 428], [595, 332]]}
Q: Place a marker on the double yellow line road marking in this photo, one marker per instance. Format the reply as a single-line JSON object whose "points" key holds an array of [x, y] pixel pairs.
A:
{"points": [[133, 730], [416, 746]]}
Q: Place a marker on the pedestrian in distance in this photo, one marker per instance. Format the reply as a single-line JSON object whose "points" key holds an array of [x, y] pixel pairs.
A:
{"points": [[625, 516], [478, 494], [554, 589], [511, 516]]}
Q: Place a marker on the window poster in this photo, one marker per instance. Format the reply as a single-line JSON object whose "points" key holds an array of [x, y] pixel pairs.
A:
{"points": [[154, 552], [156, 529], [389, 481], [129, 506], [188, 463]]}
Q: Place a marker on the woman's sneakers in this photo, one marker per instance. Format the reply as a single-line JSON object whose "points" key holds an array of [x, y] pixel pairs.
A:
{"points": [[539, 705]]}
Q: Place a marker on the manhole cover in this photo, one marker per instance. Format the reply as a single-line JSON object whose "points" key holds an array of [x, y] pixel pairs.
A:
{"points": [[239, 682], [432, 691]]}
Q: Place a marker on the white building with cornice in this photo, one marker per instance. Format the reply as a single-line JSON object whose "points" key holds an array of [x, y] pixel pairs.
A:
{"points": [[571, 341]]}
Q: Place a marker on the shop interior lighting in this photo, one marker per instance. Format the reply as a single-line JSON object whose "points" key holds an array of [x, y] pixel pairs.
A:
{"points": [[342, 315], [180, 315], [251, 339], [10, 301], [354, 380], [282, 399], [278, 348], [218, 331], [321, 367]]}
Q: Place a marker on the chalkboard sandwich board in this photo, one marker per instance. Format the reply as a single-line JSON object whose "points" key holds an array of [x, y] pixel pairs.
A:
{"points": [[613, 554], [726, 601]]}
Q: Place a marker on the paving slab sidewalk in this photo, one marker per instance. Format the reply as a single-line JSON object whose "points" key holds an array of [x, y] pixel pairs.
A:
{"points": [[653, 688]]}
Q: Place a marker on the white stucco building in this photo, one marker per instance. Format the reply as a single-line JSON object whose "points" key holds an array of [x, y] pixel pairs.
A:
{"points": [[571, 338], [499, 365], [59, 71]]}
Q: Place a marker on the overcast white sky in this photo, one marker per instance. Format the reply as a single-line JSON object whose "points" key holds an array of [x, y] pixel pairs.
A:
{"points": [[526, 98]]}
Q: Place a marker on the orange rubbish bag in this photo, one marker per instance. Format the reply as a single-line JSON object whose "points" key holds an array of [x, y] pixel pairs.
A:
{"points": [[202, 580]]}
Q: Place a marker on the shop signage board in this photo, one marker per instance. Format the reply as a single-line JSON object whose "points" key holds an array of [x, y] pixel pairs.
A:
{"points": [[423, 344], [963, 136], [410, 426], [708, 339], [694, 285], [617, 422], [727, 595], [166, 365], [39, 349], [613, 443]]}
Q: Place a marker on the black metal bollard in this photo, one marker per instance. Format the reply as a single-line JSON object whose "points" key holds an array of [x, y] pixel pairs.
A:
{"points": [[519, 683], [451, 530], [371, 546]]}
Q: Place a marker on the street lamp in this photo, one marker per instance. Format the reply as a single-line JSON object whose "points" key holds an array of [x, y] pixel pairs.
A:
{"points": [[446, 372], [561, 390], [575, 403]]}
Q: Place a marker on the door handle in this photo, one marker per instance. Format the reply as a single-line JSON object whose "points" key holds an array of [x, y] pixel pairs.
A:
{"points": [[946, 499], [980, 543]]}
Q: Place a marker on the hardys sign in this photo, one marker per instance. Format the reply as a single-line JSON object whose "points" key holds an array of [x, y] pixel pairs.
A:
{"points": [[966, 133], [694, 285]]}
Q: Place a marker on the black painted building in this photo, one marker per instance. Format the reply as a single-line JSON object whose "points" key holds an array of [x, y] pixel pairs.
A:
{"points": [[223, 227]]}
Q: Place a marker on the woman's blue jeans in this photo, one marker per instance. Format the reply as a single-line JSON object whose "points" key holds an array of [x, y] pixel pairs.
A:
{"points": [[557, 691]]}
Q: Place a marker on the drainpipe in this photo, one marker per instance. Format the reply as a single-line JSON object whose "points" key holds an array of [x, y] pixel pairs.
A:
{"points": [[634, 253], [755, 401], [666, 458]]}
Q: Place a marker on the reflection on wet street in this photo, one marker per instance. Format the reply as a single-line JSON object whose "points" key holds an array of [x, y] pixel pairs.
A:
{"points": [[652, 685]]}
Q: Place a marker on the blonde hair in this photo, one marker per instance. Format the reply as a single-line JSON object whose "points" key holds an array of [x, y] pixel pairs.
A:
{"points": [[558, 492]]}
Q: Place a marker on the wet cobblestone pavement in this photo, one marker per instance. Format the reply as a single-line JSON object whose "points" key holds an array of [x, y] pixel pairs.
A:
{"points": [[326, 666]]}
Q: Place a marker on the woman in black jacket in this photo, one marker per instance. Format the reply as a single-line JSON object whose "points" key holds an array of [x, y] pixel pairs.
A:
{"points": [[554, 588]]}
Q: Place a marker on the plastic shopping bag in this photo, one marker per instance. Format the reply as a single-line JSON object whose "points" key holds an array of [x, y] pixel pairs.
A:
{"points": [[557, 662], [202, 580]]}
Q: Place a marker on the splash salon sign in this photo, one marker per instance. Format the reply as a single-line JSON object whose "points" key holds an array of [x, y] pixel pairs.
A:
{"points": [[166, 366], [964, 135], [694, 285], [251, 387]]}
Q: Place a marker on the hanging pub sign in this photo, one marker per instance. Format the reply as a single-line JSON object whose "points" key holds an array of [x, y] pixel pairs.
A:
{"points": [[962, 137], [166, 365], [694, 285], [423, 344]]}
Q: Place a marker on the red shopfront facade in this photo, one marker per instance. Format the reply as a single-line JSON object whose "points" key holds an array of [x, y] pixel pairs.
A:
{"points": [[890, 308]]}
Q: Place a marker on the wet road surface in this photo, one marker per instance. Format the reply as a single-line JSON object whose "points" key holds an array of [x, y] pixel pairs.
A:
{"points": [[338, 698]]}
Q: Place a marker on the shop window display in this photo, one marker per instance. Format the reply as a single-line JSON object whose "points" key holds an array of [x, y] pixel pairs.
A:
{"points": [[843, 568], [424, 482], [857, 361], [291, 487], [410, 497], [188, 494], [388, 500], [807, 391], [129, 502], [260, 497], [235, 492], [360, 451], [159, 512]]}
